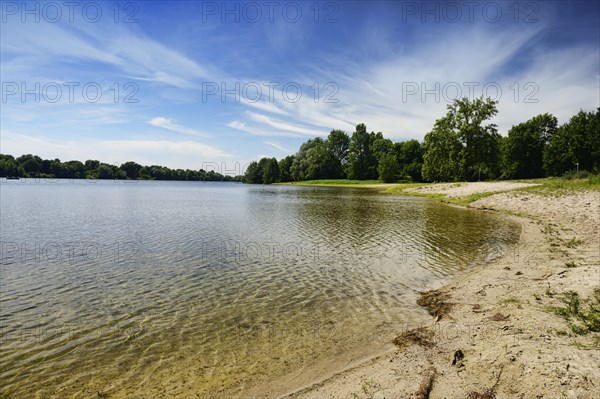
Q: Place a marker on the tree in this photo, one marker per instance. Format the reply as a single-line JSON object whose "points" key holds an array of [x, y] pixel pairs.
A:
{"points": [[410, 158], [132, 170], [271, 171], [285, 166], [73, 170], [105, 171], [8, 166], [338, 144], [577, 141], [523, 148], [388, 168], [380, 146], [31, 164], [442, 157], [478, 144], [313, 161], [253, 174], [360, 156]]}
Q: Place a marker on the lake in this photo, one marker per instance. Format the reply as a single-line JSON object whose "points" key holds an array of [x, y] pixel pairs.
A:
{"points": [[182, 289]]}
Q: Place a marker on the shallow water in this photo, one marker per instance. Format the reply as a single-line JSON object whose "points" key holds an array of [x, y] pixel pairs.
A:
{"points": [[154, 289]]}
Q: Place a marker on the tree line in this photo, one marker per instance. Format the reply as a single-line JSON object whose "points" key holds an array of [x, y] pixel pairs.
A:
{"points": [[35, 167], [462, 146]]}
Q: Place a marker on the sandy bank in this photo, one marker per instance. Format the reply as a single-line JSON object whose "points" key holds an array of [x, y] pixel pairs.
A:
{"points": [[499, 318]]}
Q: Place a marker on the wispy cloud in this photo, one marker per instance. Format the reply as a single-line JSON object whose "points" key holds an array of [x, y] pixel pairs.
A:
{"points": [[279, 147], [166, 123]]}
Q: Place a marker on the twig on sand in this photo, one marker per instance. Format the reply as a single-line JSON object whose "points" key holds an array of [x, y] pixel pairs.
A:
{"points": [[427, 384]]}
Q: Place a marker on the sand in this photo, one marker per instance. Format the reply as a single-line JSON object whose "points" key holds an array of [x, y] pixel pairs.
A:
{"points": [[511, 345]]}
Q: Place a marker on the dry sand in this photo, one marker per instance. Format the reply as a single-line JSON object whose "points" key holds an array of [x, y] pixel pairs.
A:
{"points": [[511, 344]]}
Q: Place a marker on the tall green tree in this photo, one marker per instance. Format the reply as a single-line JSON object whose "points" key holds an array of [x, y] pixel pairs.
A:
{"points": [[271, 172], [388, 168], [577, 141], [522, 150], [253, 174], [361, 165], [410, 158], [285, 166], [338, 144], [442, 157], [132, 170], [478, 143], [313, 161]]}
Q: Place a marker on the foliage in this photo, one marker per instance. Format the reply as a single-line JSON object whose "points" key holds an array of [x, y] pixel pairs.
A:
{"points": [[460, 147], [577, 141], [33, 166], [361, 161], [388, 169], [522, 150]]}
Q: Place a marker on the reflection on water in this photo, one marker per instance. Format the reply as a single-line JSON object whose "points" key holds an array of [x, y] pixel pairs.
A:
{"points": [[155, 289]]}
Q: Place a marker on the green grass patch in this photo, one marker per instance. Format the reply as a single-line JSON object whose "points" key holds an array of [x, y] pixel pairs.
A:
{"points": [[338, 183], [582, 316], [558, 185], [470, 198], [572, 243], [510, 300]]}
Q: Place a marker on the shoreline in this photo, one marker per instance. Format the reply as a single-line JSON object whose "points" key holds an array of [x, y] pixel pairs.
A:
{"points": [[511, 345]]}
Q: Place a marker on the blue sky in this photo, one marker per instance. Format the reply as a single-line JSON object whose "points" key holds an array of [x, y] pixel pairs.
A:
{"points": [[196, 84]]}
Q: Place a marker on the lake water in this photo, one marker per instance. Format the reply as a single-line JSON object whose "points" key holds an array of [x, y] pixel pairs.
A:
{"points": [[196, 289]]}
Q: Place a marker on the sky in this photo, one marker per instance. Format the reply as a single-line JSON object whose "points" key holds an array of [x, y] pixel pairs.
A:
{"points": [[214, 85]]}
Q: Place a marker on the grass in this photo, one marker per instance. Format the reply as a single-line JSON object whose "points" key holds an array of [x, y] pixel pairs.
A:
{"points": [[336, 183], [559, 185], [511, 300], [573, 243], [582, 316]]}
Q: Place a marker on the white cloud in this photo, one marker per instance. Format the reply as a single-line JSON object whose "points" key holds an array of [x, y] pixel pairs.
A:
{"points": [[280, 125], [264, 131], [279, 147], [166, 123], [171, 153], [372, 92], [45, 46]]}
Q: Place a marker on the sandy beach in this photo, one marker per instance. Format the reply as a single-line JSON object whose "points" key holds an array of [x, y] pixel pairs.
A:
{"points": [[492, 333]]}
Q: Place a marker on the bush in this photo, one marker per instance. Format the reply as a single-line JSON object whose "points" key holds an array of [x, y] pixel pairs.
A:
{"points": [[573, 174]]}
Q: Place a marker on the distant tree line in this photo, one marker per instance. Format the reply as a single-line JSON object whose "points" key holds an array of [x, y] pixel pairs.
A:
{"points": [[33, 166], [460, 147]]}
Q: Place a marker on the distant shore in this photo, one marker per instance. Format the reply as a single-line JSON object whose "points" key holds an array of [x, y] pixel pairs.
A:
{"points": [[520, 327]]}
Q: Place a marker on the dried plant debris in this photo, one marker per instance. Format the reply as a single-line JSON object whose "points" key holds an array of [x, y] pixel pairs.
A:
{"points": [[435, 302], [487, 394], [499, 317], [427, 384], [421, 336]]}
